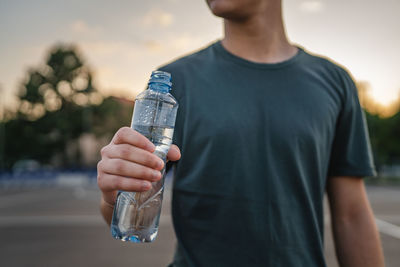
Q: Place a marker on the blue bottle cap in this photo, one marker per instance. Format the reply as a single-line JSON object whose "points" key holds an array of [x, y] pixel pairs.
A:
{"points": [[160, 81]]}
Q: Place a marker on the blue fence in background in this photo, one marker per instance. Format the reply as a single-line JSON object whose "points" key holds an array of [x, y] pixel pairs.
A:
{"points": [[54, 177], [43, 177]]}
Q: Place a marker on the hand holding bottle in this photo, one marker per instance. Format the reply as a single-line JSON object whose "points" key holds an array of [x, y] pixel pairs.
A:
{"points": [[134, 163], [128, 164]]}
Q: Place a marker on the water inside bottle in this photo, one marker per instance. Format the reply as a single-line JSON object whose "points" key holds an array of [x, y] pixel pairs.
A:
{"points": [[136, 215]]}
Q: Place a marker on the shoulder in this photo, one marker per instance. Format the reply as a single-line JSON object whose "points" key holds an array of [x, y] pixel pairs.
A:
{"points": [[331, 71], [328, 65]]}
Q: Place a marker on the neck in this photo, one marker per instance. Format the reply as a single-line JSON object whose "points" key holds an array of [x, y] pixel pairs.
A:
{"points": [[260, 38]]}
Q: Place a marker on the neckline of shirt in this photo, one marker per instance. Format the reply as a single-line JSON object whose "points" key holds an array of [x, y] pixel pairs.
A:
{"points": [[219, 47]]}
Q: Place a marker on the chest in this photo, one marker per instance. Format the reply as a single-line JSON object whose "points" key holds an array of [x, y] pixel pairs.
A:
{"points": [[278, 111]]}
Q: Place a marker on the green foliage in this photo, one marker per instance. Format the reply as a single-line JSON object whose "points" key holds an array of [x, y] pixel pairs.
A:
{"points": [[31, 92], [111, 115], [58, 103], [385, 138]]}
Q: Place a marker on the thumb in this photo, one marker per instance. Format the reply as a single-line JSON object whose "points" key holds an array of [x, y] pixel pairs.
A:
{"points": [[174, 153]]}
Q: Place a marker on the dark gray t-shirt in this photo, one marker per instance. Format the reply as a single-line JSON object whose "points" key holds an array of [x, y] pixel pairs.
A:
{"points": [[258, 144]]}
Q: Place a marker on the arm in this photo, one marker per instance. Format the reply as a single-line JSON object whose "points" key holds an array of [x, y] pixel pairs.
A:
{"points": [[356, 237], [128, 164]]}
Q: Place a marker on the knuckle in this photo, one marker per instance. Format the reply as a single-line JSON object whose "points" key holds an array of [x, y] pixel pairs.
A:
{"points": [[102, 185], [125, 130], [117, 136], [119, 166], [125, 152], [99, 180], [120, 134], [116, 184], [99, 167], [104, 150]]}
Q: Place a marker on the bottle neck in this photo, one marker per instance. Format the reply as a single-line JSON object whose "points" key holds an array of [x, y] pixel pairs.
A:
{"points": [[159, 87]]}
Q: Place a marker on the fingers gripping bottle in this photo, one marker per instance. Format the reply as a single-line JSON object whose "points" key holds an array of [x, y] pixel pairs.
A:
{"points": [[136, 215]]}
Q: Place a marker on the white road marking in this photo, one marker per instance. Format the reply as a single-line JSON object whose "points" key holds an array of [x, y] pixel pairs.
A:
{"points": [[388, 228]]}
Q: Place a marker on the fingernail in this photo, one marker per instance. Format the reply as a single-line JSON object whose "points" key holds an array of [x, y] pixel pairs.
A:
{"points": [[146, 185], [156, 175], [160, 164], [151, 147]]}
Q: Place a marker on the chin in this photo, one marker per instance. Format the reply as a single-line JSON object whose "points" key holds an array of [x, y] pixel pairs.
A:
{"points": [[233, 9]]}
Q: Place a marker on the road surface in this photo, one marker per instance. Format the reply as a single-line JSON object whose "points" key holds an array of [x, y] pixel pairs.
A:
{"points": [[61, 226]]}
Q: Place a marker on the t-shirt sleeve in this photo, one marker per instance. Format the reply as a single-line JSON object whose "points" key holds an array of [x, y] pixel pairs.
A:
{"points": [[351, 151]]}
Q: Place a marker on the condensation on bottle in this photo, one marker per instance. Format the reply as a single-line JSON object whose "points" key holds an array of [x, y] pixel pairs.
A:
{"points": [[136, 215]]}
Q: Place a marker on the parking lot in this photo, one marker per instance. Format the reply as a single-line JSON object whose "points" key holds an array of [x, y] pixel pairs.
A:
{"points": [[61, 226]]}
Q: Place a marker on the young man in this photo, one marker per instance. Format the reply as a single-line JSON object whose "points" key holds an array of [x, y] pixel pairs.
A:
{"points": [[265, 129]]}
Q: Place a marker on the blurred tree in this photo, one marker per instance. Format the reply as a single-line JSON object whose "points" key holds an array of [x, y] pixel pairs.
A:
{"points": [[383, 125], [385, 142], [64, 82], [2, 132], [58, 102]]}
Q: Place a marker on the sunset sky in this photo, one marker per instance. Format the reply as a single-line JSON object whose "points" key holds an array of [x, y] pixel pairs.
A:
{"points": [[123, 41]]}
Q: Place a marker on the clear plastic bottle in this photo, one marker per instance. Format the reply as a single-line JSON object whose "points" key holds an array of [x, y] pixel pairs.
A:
{"points": [[136, 215]]}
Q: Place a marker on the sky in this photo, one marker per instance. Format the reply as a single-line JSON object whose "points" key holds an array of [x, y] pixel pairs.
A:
{"points": [[123, 41]]}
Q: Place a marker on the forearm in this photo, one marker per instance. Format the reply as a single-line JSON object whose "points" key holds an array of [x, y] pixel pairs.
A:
{"points": [[357, 240], [356, 237], [106, 210]]}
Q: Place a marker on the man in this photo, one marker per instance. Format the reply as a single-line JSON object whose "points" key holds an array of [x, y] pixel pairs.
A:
{"points": [[265, 129]]}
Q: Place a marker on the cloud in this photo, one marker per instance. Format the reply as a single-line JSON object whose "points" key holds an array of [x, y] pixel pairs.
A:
{"points": [[123, 67], [312, 6], [81, 27], [111, 49], [157, 17], [185, 42], [153, 45], [175, 44], [114, 62]]}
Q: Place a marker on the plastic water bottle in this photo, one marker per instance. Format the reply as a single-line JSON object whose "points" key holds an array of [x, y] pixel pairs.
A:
{"points": [[136, 215]]}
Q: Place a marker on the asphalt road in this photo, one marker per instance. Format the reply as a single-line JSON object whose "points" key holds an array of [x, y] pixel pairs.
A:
{"points": [[61, 226]]}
